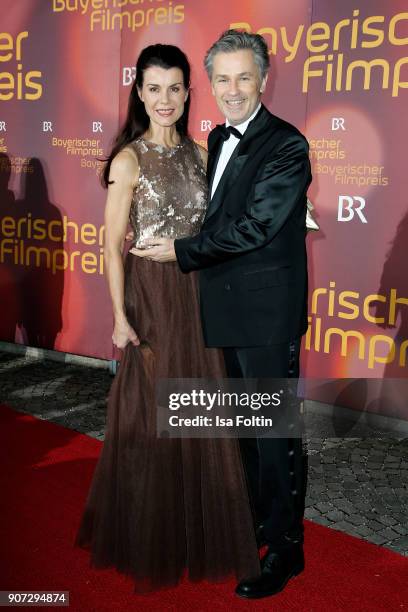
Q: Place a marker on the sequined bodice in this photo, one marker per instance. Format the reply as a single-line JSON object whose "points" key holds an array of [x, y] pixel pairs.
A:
{"points": [[170, 198]]}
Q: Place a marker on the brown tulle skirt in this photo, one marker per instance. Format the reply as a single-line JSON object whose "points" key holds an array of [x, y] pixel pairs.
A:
{"points": [[159, 509]]}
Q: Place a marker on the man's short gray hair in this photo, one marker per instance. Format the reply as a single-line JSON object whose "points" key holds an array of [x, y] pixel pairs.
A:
{"points": [[233, 40]]}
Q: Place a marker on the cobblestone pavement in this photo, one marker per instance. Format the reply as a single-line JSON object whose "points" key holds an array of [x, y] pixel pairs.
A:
{"points": [[358, 485]]}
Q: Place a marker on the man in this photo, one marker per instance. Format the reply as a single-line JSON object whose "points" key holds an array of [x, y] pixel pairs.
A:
{"points": [[253, 279]]}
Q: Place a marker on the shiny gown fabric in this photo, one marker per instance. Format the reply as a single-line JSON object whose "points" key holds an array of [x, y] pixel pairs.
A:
{"points": [[159, 509]]}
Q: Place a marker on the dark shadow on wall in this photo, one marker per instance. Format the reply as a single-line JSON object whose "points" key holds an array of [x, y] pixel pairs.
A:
{"points": [[394, 276], [391, 399], [385, 396], [10, 275], [43, 253]]}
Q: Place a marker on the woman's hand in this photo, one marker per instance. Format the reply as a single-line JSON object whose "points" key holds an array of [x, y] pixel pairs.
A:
{"points": [[123, 333]]}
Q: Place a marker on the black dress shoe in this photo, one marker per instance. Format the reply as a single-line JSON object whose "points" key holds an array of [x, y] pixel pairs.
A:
{"points": [[277, 569]]}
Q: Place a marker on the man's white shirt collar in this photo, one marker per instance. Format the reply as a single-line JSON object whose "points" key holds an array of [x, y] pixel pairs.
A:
{"points": [[243, 126], [227, 150]]}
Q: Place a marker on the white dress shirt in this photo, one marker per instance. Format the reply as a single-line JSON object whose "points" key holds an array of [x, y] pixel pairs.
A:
{"points": [[228, 148]]}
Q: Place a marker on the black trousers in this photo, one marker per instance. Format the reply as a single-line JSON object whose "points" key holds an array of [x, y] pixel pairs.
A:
{"points": [[276, 468]]}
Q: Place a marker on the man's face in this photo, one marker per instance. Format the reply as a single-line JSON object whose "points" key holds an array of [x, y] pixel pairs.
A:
{"points": [[237, 84]]}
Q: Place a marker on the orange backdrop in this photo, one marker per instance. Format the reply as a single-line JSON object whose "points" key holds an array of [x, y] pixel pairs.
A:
{"points": [[339, 72]]}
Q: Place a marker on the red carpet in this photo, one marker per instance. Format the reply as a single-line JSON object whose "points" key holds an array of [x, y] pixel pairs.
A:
{"points": [[45, 474]]}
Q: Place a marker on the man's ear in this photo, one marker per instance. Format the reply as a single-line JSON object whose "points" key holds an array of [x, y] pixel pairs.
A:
{"points": [[263, 84]]}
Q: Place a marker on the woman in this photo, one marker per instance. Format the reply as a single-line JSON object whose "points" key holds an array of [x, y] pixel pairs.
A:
{"points": [[158, 508]]}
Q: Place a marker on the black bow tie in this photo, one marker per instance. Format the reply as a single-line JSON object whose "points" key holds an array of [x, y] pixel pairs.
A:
{"points": [[225, 132]]}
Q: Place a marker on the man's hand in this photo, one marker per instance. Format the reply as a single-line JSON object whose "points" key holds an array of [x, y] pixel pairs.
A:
{"points": [[157, 249]]}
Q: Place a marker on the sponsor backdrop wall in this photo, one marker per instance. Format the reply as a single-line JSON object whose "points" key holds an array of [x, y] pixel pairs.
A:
{"points": [[339, 73]]}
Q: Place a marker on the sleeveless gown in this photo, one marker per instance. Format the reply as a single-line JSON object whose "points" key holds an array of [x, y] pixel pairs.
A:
{"points": [[159, 509]]}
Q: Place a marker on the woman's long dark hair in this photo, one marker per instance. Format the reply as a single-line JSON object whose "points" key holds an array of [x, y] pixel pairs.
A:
{"points": [[137, 120]]}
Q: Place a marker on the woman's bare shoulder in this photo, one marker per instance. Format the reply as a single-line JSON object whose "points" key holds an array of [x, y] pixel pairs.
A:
{"points": [[203, 152], [125, 166]]}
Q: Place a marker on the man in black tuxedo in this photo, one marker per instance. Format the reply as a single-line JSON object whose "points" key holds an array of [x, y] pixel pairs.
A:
{"points": [[251, 256]]}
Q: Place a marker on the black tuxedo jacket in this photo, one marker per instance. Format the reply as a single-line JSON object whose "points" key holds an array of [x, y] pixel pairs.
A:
{"points": [[251, 250]]}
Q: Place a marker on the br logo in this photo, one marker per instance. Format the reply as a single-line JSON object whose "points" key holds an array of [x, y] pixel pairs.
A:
{"points": [[206, 125], [348, 206], [128, 75], [338, 123]]}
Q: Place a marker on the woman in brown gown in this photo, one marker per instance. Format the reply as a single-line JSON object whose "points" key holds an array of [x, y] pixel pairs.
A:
{"points": [[160, 508]]}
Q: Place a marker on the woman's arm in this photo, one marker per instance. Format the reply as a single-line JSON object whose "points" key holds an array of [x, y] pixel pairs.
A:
{"points": [[124, 172], [203, 153]]}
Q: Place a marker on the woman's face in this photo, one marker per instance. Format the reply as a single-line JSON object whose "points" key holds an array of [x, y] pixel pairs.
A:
{"points": [[163, 94]]}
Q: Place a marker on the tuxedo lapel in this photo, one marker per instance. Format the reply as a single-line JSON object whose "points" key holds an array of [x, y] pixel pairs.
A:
{"points": [[216, 200], [213, 157], [236, 161], [230, 173]]}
